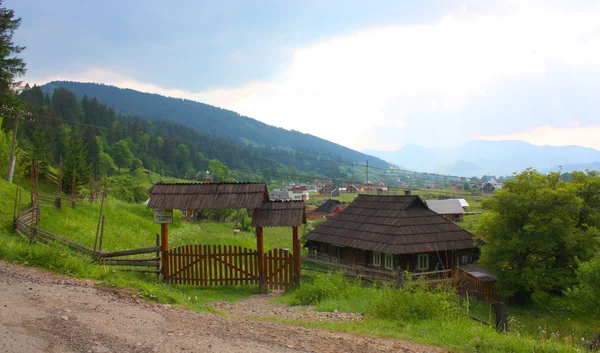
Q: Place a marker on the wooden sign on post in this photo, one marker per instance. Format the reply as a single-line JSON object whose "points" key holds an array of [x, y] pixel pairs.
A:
{"points": [[164, 216]]}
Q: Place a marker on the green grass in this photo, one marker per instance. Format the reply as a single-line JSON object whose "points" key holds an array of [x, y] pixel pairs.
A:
{"points": [[437, 318]]}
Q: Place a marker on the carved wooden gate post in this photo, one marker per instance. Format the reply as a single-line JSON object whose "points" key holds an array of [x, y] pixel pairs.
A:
{"points": [[260, 248], [296, 252], [164, 243]]}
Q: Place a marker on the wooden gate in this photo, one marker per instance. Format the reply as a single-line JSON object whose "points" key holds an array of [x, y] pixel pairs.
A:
{"points": [[279, 269], [220, 265], [212, 265]]}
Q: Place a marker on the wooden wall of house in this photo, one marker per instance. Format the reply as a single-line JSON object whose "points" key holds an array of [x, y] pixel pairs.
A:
{"points": [[478, 289], [437, 260]]}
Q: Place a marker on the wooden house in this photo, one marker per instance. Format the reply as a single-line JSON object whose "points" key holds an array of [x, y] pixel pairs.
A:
{"points": [[298, 193], [369, 187], [352, 189], [326, 190], [392, 233], [488, 188], [451, 209], [329, 208]]}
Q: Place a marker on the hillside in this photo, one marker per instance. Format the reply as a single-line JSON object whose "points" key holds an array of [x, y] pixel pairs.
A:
{"points": [[476, 158], [215, 121]]}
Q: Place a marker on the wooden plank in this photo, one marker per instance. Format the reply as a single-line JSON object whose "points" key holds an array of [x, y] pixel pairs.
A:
{"points": [[230, 272], [198, 251], [130, 263], [130, 252], [219, 265], [238, 264], [133, 259], [212, 267]]}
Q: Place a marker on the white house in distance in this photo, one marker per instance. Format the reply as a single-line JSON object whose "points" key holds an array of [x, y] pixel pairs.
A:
{"points": [[298, 193]]}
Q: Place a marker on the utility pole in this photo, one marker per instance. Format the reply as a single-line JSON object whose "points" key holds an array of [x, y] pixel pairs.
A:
{"points": [[11, 158], [367, 172]]}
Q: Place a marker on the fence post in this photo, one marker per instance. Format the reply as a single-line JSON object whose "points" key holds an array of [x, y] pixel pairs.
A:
{"points": [[158, 252], [296, 249], [501, 317], [101, 234], [260, 248], [164, 233]]}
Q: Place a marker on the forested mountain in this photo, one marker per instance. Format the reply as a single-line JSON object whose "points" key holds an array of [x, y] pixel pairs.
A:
{"points": [[95, 141], [214, 121]]}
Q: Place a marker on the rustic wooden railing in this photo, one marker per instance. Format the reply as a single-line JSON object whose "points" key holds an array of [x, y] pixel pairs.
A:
{"points": [[374, 274]]}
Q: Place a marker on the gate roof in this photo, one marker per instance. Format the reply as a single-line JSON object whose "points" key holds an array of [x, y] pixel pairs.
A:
{"points": [[207, 195], [279, 214]]}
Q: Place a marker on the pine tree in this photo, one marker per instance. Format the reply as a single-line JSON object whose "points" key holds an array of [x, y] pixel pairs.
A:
{"points": [[76, 159], [11, 66]]}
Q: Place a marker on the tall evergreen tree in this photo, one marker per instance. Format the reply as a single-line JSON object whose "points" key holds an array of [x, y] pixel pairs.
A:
{"points": [[11, 66], [93, 150], [76, 159]]}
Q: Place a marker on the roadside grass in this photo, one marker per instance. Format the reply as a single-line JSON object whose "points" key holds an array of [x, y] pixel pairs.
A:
{"points": [[438, 317]]}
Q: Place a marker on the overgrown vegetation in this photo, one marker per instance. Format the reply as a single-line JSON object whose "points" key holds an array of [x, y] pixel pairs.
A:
{"points": [[436, 316]]}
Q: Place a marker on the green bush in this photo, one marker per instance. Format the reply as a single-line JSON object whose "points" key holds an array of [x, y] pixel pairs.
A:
{"points": [[586, 295], [321, 287], [125, 188], [414, 301]]}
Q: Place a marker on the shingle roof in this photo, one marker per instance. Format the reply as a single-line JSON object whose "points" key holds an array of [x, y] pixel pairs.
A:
{"points": [[279, 214], [392, 225], [209, 195], [449, 206], [478, 272], [328, 206]]}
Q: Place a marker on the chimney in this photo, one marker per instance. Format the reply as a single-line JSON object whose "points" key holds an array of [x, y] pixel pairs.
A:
{"points": [[407, 192], [207, 177]]}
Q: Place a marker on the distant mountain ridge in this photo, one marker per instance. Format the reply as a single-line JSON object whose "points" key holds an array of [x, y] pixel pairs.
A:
{"points": [[477, 158], [215, 121]]}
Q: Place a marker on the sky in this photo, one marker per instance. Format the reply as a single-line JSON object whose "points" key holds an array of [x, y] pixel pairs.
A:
{"points": [[370, 75]]}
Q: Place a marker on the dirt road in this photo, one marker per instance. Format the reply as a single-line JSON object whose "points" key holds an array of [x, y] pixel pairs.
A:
{"points": [[45, 312]]}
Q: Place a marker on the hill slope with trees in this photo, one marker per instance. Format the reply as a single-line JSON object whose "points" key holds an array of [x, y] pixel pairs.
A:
{"points": [[214, 121]]}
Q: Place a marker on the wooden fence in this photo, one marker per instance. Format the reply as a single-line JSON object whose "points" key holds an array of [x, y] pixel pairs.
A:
{"points": [[26, 225], [212, 265], [279, 273], [219, 265]]}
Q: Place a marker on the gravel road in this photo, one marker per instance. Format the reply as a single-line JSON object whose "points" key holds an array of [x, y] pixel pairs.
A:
{"points": [[45, 312]]}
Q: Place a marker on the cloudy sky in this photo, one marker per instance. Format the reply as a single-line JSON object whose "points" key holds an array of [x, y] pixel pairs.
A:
{"points": [[365, 74]]}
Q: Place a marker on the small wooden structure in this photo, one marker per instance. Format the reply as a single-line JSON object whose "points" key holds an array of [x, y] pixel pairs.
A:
{"points": [[206, 265], [451, 209], [327, 209], [478, 283], [391, 233]]}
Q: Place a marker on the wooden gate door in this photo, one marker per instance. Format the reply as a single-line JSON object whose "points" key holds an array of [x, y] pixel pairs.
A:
{"points": [[212, 265], [279, 269]]}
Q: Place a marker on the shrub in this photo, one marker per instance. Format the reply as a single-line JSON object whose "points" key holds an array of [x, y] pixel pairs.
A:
{"points": [[321, 287], [585, 296], [414, 301]]}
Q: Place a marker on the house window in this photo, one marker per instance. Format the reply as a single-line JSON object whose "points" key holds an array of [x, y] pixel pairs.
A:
{"points": [[423, 262], [464, 260], [389, 261], [377, 259]]}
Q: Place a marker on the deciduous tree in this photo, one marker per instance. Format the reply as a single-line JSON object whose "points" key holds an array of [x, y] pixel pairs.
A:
{"points": [[533, 235]]}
